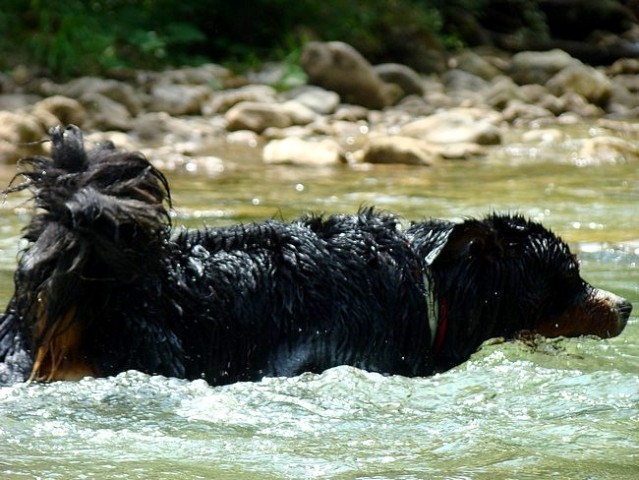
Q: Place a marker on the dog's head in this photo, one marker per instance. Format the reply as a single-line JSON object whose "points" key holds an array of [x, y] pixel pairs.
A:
{"points": [[505, 274], [100, 223]]}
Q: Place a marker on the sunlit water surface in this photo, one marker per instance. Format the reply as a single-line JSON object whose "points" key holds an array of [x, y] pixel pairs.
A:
{"points": [[565, 409]]}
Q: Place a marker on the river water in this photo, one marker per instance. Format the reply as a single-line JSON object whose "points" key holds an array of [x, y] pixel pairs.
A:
{"points": [[567, 409]]}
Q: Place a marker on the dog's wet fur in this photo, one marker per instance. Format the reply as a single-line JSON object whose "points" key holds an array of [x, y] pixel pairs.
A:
{"points": [[104, 285]]}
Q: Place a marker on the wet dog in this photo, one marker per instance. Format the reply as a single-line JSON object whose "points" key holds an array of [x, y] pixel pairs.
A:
{"points": [[103, 285]]}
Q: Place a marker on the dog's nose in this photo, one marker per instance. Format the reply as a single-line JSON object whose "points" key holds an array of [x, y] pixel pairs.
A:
{"points": [[624, 307]]}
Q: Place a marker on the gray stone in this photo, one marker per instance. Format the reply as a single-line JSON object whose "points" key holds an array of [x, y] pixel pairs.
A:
{"points": [[584, 80], [454, 126], [339, 67], [257, 117], [178, 99], [399, 150], [294, 150]]}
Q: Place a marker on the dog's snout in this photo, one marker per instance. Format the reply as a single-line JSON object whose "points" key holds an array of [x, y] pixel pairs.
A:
{"points": [[624, 307]]}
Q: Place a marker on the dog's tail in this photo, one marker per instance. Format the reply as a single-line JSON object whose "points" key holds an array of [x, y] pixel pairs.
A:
{"points": [[101, 222]]}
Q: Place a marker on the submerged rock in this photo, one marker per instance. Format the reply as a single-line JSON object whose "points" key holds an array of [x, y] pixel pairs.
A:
{"points": [[607, 150], [294, 150], [454, 126], [398, 149]]}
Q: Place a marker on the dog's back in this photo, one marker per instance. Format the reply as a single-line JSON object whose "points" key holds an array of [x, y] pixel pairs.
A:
{"points": [[279, 299]]}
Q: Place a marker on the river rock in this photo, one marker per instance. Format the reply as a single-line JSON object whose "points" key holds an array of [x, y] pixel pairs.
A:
{"points": [[502, 92], [318, 99], [455, 126], [299, 113], [539, 67], [459, 80], [150, 127], [414, 106], [16, 101], [20, 136], [519, 113], [104, 113], [401, 75], [117, 91], [398, 149], [223, 101], [575, 103], [339, 67], [207, 74], [60, 110], [607, 150], [628, 66], [624, 100], [178, 99], [543, 136], [350, 113], [257, 117], [159, 127], [243, 138], [460, 151], [471, 62], [584, 80], [538, 95], [294, 150]]}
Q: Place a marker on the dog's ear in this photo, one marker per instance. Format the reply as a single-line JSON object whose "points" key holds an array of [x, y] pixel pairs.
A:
{"points": [[472, 240]]}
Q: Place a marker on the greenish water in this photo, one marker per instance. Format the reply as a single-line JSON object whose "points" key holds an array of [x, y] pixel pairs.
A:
{"points": [[567, 410]]}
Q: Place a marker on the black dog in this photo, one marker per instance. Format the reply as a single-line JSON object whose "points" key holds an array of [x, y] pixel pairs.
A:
{"points": [[102, 287]]}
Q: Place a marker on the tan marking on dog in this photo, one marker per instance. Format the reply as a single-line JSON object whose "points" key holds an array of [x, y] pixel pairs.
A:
{"points": [[599, 316], [60, 356]]}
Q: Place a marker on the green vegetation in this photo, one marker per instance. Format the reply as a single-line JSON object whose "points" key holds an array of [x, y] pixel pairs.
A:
{"points": [[68, 37], [71, 37]]}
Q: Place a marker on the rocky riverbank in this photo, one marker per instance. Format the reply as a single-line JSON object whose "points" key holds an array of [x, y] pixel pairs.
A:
{"points": [[348, 111]]}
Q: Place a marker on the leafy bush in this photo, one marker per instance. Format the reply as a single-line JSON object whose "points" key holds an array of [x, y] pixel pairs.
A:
{"points": [[80, 37], [71, 37]]}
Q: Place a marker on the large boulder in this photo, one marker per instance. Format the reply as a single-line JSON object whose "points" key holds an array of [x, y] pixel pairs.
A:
{"points": [[339, 67], [538, 67]]}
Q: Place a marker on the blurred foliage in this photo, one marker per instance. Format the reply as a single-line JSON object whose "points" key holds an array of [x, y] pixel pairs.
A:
{"points": [[72, 37]]}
